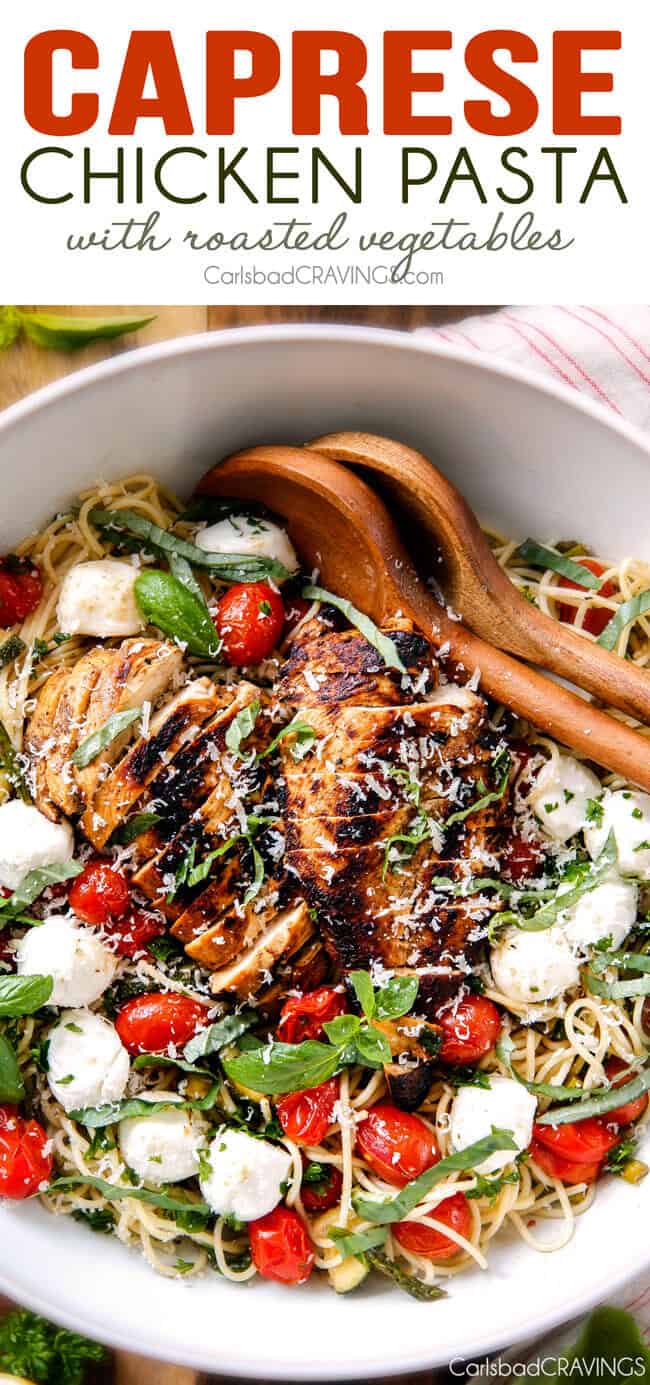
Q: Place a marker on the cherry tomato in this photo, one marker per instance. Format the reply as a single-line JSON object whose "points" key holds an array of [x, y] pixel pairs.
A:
{"points": [[280, 1247], [150, 1023], [25, 1160], [397, 1145], [295, 610], [303, 1016], [425, 1240], [579, 1142], [306, 1116], [630, 1110], [563, 1169], [597, 617], [250, 619], [470, 1029], [99, 894], [21, 588], [130, 935], [522, 859], [326, 1193]]}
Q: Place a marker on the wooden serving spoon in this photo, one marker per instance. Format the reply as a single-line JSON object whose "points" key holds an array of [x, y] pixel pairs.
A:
{"points": [[340, 527], [475, 585]]}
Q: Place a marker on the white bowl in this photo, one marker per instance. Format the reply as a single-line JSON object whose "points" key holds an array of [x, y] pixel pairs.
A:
{"points": [[534, 459]]}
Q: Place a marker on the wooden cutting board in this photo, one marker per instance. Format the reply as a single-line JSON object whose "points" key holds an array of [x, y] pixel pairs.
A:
{"points": [[26, 367]]}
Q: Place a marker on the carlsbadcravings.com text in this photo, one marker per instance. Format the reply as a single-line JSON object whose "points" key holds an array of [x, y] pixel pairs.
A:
{"points": [[556, 1367]]}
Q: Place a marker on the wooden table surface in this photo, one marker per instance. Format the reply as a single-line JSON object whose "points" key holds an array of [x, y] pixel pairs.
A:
{"points": [[26, 367]]}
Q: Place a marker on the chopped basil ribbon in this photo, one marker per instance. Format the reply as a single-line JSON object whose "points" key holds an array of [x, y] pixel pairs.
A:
{"points": [[96, 1117], [546, 916], [114, 1192], [626, 613], [483, 802], [24, 995], [616, 990], [63, 333], [396, 1208], [229, 567], [355, 1242], [600, 1101], [35, 882], [161, 1060], [11, 649], [366, 627], [103, 736], [304, 735], [554, 1092], [219, 1035], [12, 1087], [242, 726], [537, 555], [10, 763], [170, 605], [479, 884], [139, 823]]}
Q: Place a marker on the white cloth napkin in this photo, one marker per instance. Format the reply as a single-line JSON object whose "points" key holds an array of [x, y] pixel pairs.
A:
{"points": [[605, 353]]}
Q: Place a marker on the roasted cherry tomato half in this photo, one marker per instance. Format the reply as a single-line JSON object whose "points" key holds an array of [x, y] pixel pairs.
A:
{"points": [[250, 621], [580, 1142], [25, 1157], [150, 1023], [21, 588], [522, 859], [306, 1116], [303, 1016], [132, 934], [420, 1239], [280, 1247], [629, 1110], [397, 1145], [99, 894], [323, 1193], [597, 617], [470, 1029], [564, 1170]]}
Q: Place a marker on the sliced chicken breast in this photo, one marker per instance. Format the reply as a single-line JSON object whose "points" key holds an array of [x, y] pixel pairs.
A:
{"points": [[69, 726], [40, 743], [288, 933]]}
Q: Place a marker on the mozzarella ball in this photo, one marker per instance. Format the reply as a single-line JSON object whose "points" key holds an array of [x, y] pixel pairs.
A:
{"points": [[257, 538], [626, 813], [162, 1148], [559, 796], [531, 967], [608, 911], [246, 1175], [98, 598], [28, 840], [506, 1105], [87, 1063], [79, 964]]}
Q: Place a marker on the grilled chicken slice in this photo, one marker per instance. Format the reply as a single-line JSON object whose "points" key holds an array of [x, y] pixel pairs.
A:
{"points": [[288, 933], [327, 668], [68, 727], [237, 929], [172, 726], [140, 671], [39, 740]]}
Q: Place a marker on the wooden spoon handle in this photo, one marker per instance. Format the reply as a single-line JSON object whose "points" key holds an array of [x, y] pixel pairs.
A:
{"points": [[489, 599]]}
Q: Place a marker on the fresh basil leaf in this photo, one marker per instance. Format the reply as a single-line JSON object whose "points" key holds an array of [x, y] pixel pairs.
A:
{"points": [[373, 1048], [96, 1117], [277, 1068], [491, 1187], [114, 1192], [162, 1060], [11, 649], [196, 874], [537, 555], [10, 763], [464, 1161], [63, 333], [24, 995], [616, 990], [230, 567], [362, 986], [600, 1101], [627, 961], [397, 997], [426, 1293], [626, 613], [366, 627], [355, 1242], [546, 916], [258, 875], [35, 883], [182, 571], [219, 1035], [12, 1087], [342, 1028], [93, 745], [301, 732], [168, 604], [242, 726], [139, 823]]}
